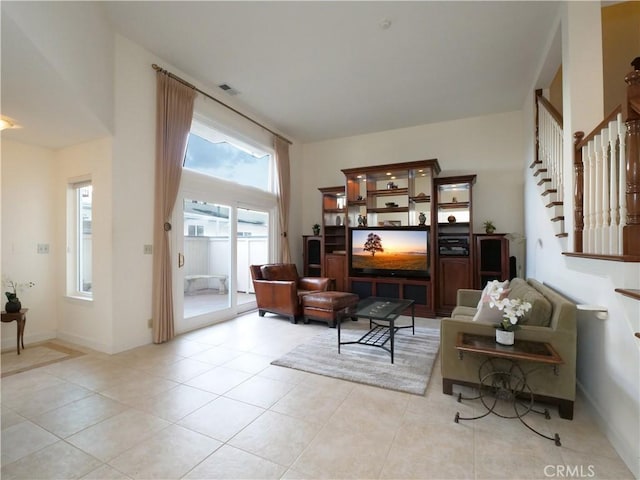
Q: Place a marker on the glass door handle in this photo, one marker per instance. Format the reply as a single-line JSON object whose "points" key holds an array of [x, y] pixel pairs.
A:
{"points": [[180, 260]]}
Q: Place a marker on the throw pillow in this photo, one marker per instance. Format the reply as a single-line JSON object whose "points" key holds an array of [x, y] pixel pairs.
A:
{"points": [[485, 313], [484, 296], [541, 308]]}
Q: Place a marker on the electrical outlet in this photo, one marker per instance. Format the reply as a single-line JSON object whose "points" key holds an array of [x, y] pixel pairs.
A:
{"points": [[43, 248], [148, 249], [150, 322]]}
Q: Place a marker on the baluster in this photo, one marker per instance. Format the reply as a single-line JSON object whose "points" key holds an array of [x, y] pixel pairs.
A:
{"points": [[588, 207], [559, 156], [622, 210], [598, 193], [604, 186], [613, 188]]}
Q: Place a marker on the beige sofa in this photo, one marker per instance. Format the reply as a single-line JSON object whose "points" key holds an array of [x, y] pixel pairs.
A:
{"points": [[549, 387]]}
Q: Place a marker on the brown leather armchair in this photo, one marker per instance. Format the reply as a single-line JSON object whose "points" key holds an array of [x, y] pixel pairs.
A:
{"points": [[279, 289]]}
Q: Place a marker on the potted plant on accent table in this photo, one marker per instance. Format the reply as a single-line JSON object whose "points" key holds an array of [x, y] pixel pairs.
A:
{"points": [[489, 227], [13, 304], [513, 309], [316, 229]]}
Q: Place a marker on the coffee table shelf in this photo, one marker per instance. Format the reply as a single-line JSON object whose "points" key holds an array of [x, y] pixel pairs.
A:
{"points": [[382, 313]]}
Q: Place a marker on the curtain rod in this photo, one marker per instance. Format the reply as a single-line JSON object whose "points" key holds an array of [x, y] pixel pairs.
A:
{"points": [[184, 82]]}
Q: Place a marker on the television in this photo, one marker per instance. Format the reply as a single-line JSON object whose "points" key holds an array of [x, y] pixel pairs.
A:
{"points": [[389, 252]]}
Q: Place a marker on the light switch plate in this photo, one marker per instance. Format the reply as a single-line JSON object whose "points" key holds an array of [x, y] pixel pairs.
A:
{"points": [[43, 248], [148, 249]]}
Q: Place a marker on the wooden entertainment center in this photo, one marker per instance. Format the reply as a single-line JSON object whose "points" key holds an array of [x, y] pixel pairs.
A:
{"points": [[403, 196]]}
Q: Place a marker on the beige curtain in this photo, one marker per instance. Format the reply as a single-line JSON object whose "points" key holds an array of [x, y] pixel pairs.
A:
{"points": [[173, 121], [282, 165]]}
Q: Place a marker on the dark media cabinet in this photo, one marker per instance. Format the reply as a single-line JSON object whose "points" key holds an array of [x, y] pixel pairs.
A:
{"points": [[401, 195]]}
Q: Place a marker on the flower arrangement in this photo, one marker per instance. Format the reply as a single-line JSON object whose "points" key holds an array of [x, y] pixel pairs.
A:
{"points": [[12, 296], [316, 229], [513, 309]]}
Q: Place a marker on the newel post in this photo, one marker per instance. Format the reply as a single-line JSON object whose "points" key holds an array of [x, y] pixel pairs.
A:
{"points": [[578, 193], [631, 232]]}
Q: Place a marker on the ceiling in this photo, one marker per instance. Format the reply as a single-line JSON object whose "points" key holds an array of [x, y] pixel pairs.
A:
{"points": [[319, 70]]}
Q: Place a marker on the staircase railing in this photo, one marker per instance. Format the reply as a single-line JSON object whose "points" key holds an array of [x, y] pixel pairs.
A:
{"points": [[549, 158], [607, 181]]}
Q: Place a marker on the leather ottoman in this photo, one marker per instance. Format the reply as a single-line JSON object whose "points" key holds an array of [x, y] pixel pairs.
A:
{"points": [[328, 306]]}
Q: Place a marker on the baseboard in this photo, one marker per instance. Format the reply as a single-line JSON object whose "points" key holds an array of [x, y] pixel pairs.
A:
{"points": [[85, 342], [627, 452], [9, 343]]}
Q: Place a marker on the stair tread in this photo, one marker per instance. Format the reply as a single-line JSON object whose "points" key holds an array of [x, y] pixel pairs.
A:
{"points": [[554, 204], [562, 235], [549, 191], [539, 171], [557, 219], [544, 180], [535, 162]]}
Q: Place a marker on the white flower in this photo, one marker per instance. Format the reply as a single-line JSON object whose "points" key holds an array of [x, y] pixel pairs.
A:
{"points": [[513, 308]]}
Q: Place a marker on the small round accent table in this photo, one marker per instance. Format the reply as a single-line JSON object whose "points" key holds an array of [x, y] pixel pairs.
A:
{"points": [[21, 319]]}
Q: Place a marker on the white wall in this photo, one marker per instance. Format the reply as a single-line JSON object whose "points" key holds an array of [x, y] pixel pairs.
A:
{"points": [[28, 218], [82, 321], [608, 363], [489, 146], [76, 39]]}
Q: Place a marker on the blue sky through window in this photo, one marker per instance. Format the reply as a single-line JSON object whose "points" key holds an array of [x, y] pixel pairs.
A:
{"points": [[226, 161]]}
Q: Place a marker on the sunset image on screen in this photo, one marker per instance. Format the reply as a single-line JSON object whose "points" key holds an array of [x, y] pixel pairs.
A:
{"points": [[394, 250]]}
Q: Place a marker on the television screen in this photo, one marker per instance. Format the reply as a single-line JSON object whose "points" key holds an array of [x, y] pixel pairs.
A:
{"points": [[389, 251]]}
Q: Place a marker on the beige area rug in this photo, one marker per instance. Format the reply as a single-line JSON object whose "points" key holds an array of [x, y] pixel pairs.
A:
{"points": [[414, 356], [35, 356]]}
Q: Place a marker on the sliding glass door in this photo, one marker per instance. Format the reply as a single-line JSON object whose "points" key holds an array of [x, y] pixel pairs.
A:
{"points": [[216, 238]]}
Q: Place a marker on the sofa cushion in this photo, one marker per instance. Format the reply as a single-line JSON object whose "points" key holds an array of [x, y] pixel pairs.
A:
{"points": [[284, 272], [487, 314], [541, 309], [463, 312]]}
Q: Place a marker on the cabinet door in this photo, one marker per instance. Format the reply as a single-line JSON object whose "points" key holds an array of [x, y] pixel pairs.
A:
{"points": [[453, 273], [312, 256], [491, 259], [335, 267]]}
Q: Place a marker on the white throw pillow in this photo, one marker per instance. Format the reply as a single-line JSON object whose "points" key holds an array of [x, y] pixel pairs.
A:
{"points": [[484, 296], [485, 312]]}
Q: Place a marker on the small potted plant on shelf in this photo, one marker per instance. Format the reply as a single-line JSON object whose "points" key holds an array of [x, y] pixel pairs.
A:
{"points": [[513, 309], [316, 229], [489, 227]]}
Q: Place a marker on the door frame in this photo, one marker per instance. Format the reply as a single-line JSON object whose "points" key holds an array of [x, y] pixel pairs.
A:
{"points": [[198, 186]]}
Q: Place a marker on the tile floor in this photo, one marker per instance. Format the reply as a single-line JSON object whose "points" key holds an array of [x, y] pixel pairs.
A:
{"points": [[209, 405]]}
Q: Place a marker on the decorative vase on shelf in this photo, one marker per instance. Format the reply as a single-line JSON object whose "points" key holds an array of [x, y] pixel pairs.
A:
{"points": [[338, 221], [13, 306], [451, 218], [422, 218], [505, 337]]}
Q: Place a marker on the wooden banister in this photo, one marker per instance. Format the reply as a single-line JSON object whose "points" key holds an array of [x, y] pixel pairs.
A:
{"points": [[587, 138], [557, 116], [631, 232], [578, 193]]}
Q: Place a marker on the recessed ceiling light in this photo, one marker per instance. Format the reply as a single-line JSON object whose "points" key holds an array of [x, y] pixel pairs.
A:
{"points": [[6, 123]]}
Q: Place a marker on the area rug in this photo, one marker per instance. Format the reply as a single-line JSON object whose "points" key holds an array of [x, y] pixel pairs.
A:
{"points": [[35, 356], [414, 356]]}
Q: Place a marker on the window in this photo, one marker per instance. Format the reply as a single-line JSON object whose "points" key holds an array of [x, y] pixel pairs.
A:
{"points": [[80, 240], [217, 156]]}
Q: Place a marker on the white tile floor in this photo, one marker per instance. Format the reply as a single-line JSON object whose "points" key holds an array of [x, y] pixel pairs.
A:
{"points": [[210, 405]]}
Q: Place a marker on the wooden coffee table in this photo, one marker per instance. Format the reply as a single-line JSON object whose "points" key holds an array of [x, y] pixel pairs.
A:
{"points": [[382, 314], [502, 378]]}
